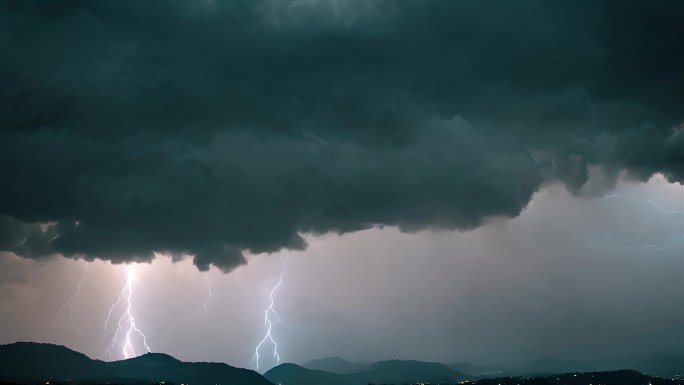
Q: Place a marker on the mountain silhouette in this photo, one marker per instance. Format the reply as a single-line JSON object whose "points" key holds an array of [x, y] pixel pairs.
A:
{"points": [[554, 365], [408, 371], [667, 365], [33, 363], [616, 377], [472, 370], [388, 372], [29, 362], [149, 359], [293, 374], [336, 365]]}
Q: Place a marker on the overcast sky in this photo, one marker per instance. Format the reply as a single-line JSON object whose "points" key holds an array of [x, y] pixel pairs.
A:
{"points": [[487, 180]]}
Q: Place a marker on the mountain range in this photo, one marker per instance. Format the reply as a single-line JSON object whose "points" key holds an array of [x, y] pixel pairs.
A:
{"points": [[33, 363], [336, 365], [383, 372], [30, 362], [339, 365]]}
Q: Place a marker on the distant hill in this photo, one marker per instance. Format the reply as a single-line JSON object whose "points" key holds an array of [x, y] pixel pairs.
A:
{"points": [[407, 371], [149, 359], [33, 363], [618, 377], [336, 365], [668, 365], [388, 372], [293, 374], [29, 362], [553, 365], [472, 370]]}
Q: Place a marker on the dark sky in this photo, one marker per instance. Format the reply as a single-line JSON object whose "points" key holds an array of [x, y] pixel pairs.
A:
{"points": [[435, 171]]}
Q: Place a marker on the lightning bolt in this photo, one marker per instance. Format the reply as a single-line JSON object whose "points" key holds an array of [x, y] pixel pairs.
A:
{"points": [[599, 239], [106, 322], [647, 202], [67, 306], [640, 247], [608, 238], [268, 322], [126, 319], [210, 294]]}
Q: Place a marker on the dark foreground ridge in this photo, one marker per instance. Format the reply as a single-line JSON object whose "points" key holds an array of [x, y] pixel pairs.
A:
{"points": [[336, 365], [414, 372], [383, 372], [616, 377], [28, 363], [33, 363]]}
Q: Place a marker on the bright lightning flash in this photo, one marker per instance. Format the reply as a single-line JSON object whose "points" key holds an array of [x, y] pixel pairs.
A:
{"points": [[68, 304], [210, 294], [268, 321], [127, 319], [639, 246]]}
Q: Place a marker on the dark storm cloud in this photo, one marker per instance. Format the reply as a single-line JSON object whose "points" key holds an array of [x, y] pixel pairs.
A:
{"points": [[29, 240], [210, 128]]}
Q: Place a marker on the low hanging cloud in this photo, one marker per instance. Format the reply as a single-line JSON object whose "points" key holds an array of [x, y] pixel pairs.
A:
{"points": [[213, 128]]}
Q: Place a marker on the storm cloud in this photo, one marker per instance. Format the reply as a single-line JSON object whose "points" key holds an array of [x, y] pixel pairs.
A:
{"points": [[214, 128]]}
